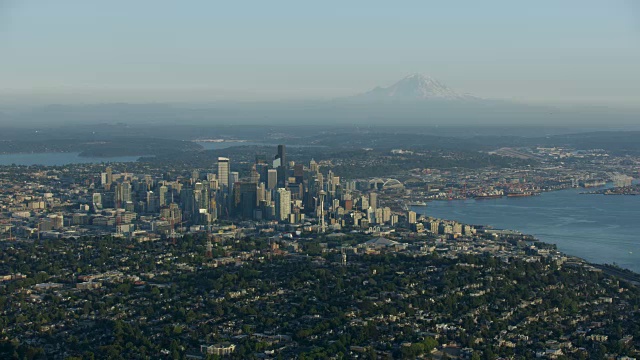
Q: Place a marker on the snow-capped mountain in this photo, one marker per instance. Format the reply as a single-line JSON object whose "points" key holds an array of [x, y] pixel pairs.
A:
{"points": [[415, 87]]}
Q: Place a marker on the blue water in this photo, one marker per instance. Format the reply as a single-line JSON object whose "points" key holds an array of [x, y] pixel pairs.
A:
{"points": [[57, 159], [597, 228]]}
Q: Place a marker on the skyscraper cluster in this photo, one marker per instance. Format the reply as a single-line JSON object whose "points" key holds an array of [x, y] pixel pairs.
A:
{"points": [[276, 190]]}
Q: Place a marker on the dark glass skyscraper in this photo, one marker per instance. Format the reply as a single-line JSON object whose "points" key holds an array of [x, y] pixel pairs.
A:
{"points": [[281, 155], [283, 168]]}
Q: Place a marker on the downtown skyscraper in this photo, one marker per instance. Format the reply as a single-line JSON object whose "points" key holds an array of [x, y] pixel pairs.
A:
{"points": [[223, 173]]}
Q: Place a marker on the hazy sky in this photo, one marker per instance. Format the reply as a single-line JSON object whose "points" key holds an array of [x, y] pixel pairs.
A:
{"points": [[154, 50]]}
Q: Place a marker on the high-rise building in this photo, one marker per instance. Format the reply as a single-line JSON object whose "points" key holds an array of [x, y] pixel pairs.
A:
{"points": [[272, 179], [386, 214], [234, 177], [162, 193], [262, 190], [283, 204], [411, 217], [379, 216], [283, 168], [262, 169], [152, 202], [371, 215], [313, 166], [298, 173], [364, 203], [248, 199], [109, 175], [335, 203], [373, 200], [106, 178], [123, 193], [201, 196], [282, 155], [223, 173], [255, 176]]}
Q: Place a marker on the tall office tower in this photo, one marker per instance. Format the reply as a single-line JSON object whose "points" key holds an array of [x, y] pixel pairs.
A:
{"points": [[187, 201], [248, 199], [335, 183], [335, 203], [123, 193], [364, 203], [148, 184], [201, 196], [282, 155], [379, 216], [329, 181], [262, 169], [283, 204], [162, 193], [195, 176], [283, 168], [386, 214], [107, 178], [152, 202], [296, 191], [234, 177], [109, 175], [371, 215], [176, 186], [213, 185], [223, 173], [268, 197], [272, 179], [313, 166], [213, 208], [298, 173], [411, 216], [255, 176], [262, 190], [373, 200]]}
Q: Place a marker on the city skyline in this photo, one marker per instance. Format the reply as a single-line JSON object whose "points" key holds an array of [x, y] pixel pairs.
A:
{"points": [[328, 180]]}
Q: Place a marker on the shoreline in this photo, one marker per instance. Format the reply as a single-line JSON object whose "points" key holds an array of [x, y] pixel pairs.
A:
{"points": [[559, 239]]}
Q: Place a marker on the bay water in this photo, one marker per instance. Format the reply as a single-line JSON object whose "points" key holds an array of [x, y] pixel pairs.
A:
{"points": [[598, 228]]}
